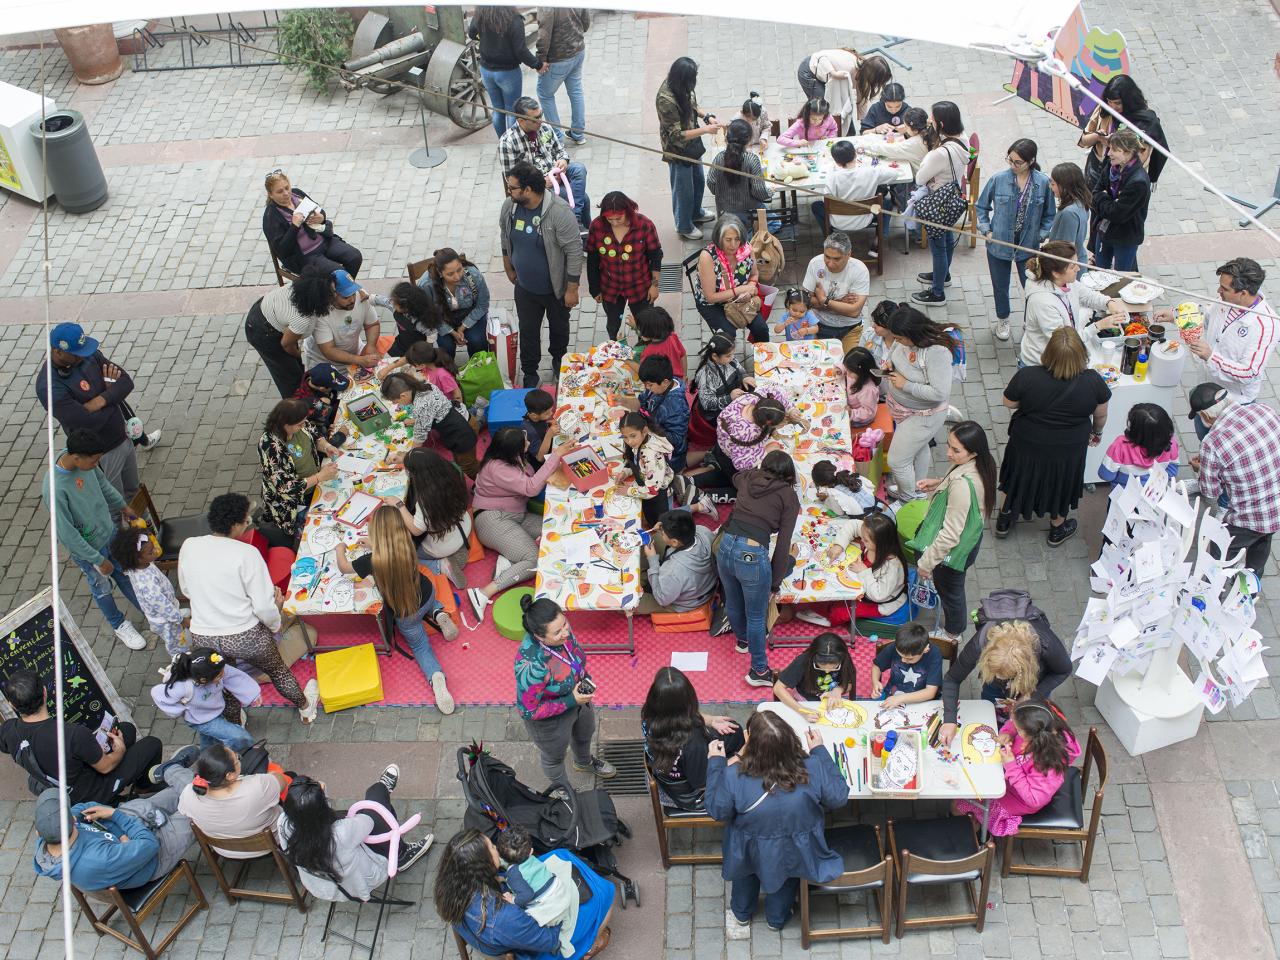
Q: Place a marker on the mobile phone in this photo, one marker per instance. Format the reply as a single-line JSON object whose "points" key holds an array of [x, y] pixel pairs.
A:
{"points": [[586, 686]]}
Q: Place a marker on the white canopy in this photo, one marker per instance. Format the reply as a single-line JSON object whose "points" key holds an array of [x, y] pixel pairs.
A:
{"points": [[988, 24]]}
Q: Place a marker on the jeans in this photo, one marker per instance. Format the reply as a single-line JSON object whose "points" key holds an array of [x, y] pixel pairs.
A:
{"points": [[613, 311], [950, 586], [778, 905], [1116, 256], [813, 87], [222, 730], [1000, 271], [415, 632], [746, 576], [476, 335], [577, 174], [504, 88], [530, 310], [909, 454], [286, 370], [941, 248], [687, 184], [569, 73], [100, 588]]}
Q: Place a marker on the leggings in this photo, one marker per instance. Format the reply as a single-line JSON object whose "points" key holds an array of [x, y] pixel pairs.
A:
{"points": [[655, 506], [257, 646], [909, 453], [515, 536]]}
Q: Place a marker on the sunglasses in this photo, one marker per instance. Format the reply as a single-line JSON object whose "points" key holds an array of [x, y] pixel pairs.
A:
{"points": [[278, 171]]}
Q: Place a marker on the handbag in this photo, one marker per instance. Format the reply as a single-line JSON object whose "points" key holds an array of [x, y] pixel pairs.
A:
{"points": [[741, 312], [945, 205], [479, 377], [931, 526], [295, 641], [767, 250]]}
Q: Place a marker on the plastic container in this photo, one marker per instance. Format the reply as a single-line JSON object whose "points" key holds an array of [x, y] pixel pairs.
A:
{"points": [[74, 171], [1140, 368], [909, 740], [1165, 366]]}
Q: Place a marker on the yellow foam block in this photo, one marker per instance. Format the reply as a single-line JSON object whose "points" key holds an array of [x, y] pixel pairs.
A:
{"points": [[349, 678]]}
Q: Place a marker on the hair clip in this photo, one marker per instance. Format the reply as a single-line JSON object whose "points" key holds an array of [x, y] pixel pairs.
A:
{"points": [[199, 781]]}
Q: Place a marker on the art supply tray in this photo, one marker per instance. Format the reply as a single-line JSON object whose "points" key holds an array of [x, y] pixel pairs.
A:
{"points": [[367, 415], [910, 740]]}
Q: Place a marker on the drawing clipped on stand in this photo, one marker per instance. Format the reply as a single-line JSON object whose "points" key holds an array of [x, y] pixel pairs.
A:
{"points": [[1163, 591]]}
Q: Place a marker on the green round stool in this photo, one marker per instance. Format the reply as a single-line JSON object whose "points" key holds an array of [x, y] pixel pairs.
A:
{"points": [[910, 516], [507, 615]]}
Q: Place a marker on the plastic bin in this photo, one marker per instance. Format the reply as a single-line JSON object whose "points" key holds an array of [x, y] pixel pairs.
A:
{"points": [[74, 171]]}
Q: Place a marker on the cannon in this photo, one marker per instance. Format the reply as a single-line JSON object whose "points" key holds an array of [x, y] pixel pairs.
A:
{"points": [[426, 47]]}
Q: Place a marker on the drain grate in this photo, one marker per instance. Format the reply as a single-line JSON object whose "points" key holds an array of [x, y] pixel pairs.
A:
{"points": [[627, 757], [671, 278]]}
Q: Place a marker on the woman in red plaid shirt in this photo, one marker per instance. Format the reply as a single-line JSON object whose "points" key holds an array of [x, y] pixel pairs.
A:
{"points": [[624, 258]]}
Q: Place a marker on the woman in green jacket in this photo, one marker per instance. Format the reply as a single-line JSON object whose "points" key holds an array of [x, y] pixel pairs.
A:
{"points": [[682, 145]]}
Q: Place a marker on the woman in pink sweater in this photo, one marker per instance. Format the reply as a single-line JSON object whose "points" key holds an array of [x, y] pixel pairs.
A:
{"points": [[814, 124], [1037, 747], [862, 385], [503, 486]]}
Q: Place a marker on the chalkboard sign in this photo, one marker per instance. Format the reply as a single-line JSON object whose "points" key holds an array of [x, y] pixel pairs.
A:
{"points": [[26, 642]]}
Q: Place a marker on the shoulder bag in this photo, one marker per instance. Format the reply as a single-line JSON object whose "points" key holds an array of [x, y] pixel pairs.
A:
{"points": [[945, 205], [931, 526]]}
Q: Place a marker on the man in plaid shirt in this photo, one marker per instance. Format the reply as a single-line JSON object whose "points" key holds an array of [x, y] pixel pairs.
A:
{"points": [[533, 141], [1240, 458]]}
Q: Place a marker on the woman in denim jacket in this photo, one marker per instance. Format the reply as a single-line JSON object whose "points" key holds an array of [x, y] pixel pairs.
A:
{"points": [[1016, 206]]}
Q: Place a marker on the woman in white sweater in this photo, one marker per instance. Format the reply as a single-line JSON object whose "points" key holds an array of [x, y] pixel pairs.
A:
{"points": [[1054, 299], [946, 162], [235, 609], [907, 146]]}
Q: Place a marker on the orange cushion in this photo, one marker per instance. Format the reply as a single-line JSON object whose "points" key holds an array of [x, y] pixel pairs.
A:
{"points": [[476, 551], [444, 593], [690, 621]]}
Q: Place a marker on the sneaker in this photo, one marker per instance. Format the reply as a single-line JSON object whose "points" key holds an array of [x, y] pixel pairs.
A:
{"points": [[478, 601], [694, 234], [703, 216], [1004, 523], [928, 298], [954, 414], [183, 758], [703, 503], [1001, 329], [1061, 534], [150, 440], [444, 623], [928, 279], [740, 646], [531, 381], [601, 768], [759, 679], [411, 853], [680, 490], [500, 566], [312, 692], [128, 634], [390, 777], [814, 617], [735, 929], [573, 141], [444, 699]]}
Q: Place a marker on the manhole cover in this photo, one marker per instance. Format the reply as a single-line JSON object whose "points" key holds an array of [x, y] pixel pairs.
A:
{"points": [[627, 757]]}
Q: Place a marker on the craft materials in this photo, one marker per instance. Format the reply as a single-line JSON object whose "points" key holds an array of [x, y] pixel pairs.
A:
{"points": [[841, 713], [358, 508]]}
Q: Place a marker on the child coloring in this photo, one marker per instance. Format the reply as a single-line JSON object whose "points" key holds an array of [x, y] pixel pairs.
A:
{"points": [[645, 471], [539, 408], [881, 568], [1037, 747], [824, 671], [842, 492], [908, 670], [801, 324], [862, 386], [207, 692], [720, 377], [432, 409], [815, 123], [548, 898], [1147, 440], [658, 338], [136, 554], [665, 403]]}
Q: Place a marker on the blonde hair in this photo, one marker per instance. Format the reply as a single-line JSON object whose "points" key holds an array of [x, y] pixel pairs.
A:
{"points": [[274, 177], [1043, 268], [1012, 654], [1065, 356], [395, 561]]}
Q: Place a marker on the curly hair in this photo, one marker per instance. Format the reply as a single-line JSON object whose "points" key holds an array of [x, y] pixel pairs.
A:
{"points": [[312, 294], [226, 510], [466, 868], [773, 753], [415, 304], [436, 489], [1011, 654]]}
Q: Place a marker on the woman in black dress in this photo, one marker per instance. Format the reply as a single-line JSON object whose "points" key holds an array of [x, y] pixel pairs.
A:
{"points": [[1060, 408]]}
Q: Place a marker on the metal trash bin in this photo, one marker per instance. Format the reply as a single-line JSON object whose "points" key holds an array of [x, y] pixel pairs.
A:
{"points": [[75, 175]]}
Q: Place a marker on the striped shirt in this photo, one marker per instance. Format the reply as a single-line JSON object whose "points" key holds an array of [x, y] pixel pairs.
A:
{"points": [[1242, 340]]}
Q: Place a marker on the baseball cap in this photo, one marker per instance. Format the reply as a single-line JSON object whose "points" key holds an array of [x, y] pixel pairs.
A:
{"points": [[71, 338], [1204, 396], [347, 287], [328, 377], [48, 824]]}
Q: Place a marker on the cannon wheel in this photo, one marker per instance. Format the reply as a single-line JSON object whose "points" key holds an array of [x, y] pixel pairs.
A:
{"points": [[452, 85]]}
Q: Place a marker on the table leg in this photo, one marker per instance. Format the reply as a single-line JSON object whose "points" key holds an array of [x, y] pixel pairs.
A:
{"points": [[986, 818]]}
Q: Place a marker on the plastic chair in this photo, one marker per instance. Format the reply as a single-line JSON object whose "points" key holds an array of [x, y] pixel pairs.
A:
{"points": [[866, 867], [945, 850], [138, 903], [262, 845]]}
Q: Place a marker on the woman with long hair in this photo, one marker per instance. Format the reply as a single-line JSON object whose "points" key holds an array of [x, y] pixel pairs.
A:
{"points": [[1056, 299], [329, 850], [1059, 409], [945, 163], [882, 568], [859, 78], [504, 485], [469, 897], [742, 191], [624, 259], [767, 504], [1121, 199], [772, 798], [300, 234], [1075, 200], [501, 49], [951, 532], [1016, 206], [406, 593], [289, 451], [681, 130], [460, 295], [917, 379], [435, 512], [676, 734]]}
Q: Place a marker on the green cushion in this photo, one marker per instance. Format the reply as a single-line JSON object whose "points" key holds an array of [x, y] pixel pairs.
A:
{"points": [[507, 615]]}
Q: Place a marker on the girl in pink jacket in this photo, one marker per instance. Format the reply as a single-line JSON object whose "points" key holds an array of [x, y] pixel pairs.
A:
{"points": [[862, 384], [1037, 747], [814, 124]]}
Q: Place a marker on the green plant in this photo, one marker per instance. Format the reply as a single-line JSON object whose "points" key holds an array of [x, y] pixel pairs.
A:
{"points": [[314, 42]]}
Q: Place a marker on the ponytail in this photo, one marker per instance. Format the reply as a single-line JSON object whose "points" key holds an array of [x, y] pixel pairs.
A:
{"points": [[536, 615], [214, 765], [1044, 729], [736, 139], [199, 665], [718, 345]]}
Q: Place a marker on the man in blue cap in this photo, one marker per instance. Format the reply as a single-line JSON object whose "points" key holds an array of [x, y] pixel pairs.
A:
{"points": [[348, 333], [89, 394]]}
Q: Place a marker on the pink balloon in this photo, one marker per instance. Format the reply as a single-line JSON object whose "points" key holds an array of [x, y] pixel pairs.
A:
{"points": [[393, 835]]}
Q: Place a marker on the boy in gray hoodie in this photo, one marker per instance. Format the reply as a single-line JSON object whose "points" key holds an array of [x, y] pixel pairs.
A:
{"points": [[683, 576]]}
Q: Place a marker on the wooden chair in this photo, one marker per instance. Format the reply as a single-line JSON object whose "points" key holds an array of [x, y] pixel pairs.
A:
{"points": [[465, 952], [136, 904], [775, 128], [262, 845], [171, 533], [417, 269], [859, 208], [866, 867], [667, 819], [944, 850], [973, 176], [282, 275], [1063, 818]]}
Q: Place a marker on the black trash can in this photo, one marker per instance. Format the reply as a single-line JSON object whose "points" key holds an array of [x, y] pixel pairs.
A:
{"points": [[74, 171]]}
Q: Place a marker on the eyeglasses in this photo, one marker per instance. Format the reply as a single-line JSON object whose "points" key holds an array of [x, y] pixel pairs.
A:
{"points": [[277, 172], [1017, 162]]}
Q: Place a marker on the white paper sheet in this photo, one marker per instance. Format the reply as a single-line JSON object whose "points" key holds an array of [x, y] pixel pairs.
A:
{"points": [[1096, 662], [689, 661], [1124, 632], [1147, 564], [1207, 689], [577, 546], [354, 463]]}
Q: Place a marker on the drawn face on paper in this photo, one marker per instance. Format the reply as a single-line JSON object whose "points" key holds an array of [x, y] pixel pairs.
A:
{"points": [[983, 741], [900, 768]]}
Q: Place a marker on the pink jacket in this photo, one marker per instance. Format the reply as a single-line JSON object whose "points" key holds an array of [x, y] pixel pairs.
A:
{"points": [[797, 132], [863, 402], [500, 486], [1028, 790]]}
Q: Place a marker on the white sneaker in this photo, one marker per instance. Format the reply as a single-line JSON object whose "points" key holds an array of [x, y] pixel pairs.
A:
{"points": [[444, 699], [128, 634], [448, 629], [812, 616], [954, 414], [694, 234], [500, 566], [153, 440], [1001, 329], [312, 692], [478, 601], [735, 929]]}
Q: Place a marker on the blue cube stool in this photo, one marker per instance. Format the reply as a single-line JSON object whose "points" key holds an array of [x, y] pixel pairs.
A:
{"points": [[506, 409]]}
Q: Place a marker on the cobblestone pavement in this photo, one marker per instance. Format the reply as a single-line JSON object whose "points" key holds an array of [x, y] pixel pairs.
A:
{"points": [[1189, 858]]}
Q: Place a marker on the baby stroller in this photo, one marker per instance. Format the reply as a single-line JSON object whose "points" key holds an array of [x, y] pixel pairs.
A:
{"points": [[584, 822]]}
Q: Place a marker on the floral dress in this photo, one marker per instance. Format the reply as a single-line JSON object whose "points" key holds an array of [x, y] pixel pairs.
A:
{"points": [[159, 605], [737, 433], [729, 276], [284, 490]]}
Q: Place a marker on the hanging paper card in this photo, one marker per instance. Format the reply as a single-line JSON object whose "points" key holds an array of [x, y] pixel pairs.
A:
{"points": [[1096, 662], [1207, 689], [1146, 562]]}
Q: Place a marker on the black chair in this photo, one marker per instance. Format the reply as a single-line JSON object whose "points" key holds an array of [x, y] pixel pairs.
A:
{"points": [[1063, 818], [690, 266], [667, 817], [137, 903], [383, 901], [866, 868], [944, 850], [173, 532]]}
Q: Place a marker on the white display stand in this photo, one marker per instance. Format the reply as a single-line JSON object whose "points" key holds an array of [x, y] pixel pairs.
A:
{"points": [[1151, 718], [20, 168]]}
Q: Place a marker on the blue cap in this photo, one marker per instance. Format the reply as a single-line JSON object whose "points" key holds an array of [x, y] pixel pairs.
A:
{"points": [[70, 337], [347, 287], [328, 377]]}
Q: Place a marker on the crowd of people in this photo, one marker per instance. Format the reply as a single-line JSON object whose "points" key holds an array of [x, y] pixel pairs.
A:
{"points": [[698, 435]]}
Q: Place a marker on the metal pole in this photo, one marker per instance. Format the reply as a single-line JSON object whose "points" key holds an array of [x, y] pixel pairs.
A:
{"points": [[426, 156]]}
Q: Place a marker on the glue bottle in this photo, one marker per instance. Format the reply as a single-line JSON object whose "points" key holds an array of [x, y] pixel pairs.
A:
{"points": [[1140, 368]]}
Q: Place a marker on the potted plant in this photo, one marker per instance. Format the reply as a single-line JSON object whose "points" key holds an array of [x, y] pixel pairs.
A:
{"points": [[315, 43]]}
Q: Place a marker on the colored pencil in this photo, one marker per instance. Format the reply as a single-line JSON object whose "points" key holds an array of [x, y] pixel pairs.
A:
{"points": [[965, 770]]}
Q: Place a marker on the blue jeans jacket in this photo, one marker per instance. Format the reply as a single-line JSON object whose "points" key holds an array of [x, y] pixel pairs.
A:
{"points": [[997, 207]]}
